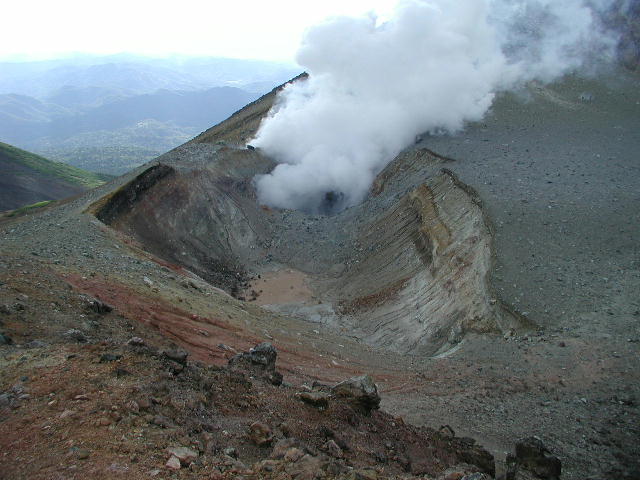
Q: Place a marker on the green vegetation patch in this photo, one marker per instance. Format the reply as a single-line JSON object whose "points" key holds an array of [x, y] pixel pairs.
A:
{"points": [[28, 208], [59, 170]]}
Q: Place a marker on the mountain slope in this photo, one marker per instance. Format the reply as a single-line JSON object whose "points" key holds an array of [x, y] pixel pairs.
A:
{"points": [[28, 178]]}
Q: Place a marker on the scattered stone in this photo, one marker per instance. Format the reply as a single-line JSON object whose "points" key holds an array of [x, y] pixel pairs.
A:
{"points": [[185, 455], [179, 356], [366, 474], [133, 406], [260, 360], [266, 466], [308, 467], [332, 449], [109, 357], [5, 339], [75, 335], [162, 421], [319, 400], [144, 403], [361, 391], [67, 413], [97, 306], [83, 453], [447, 431], [147, 281], [260, 434], [135, 342], [35, 344], [5, 400], [281, 447], [293, 454], [532, 455], [231, 452], [476, 476], [173, 463], [285, 428], [4, 309]]}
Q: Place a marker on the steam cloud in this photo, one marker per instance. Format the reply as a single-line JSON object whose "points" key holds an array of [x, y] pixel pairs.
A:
{"points": [[433, 66]]}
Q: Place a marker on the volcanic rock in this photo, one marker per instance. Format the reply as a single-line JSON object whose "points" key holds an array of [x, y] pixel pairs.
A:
{"points": [[75, 335], [532, 455], [259, 361], [332, 449], [316, 399], [260, 434], [184, 454], [109, 357], [135, 342], [99, 307], [179, 356], [362, 391], [281, 448], [173, 463]]}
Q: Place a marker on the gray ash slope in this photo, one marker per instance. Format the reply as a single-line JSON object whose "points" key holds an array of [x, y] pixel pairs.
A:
{"points": [[559, 174]]}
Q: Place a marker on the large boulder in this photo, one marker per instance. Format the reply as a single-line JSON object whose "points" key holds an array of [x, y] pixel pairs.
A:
{"points": [[259, 361], [361, 391], [532, 455]]}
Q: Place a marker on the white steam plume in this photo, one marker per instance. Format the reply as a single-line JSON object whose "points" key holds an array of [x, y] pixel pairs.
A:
{"points": [[433, 66]]}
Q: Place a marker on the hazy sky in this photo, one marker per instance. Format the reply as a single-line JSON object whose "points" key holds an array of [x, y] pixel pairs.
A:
{"points": [[242, 28]]}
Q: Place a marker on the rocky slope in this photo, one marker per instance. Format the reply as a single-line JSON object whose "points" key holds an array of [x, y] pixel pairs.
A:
{"points": [[443, 285]]}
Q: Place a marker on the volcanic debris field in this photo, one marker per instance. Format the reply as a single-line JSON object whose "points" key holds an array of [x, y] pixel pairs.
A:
{"points": [[488, 285]]}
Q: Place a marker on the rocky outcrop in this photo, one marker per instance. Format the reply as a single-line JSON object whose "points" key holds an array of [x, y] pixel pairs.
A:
{"points": [[424, 280]]}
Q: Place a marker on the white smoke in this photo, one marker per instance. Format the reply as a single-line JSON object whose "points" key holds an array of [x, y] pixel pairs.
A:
{"points": [[434, 65]]}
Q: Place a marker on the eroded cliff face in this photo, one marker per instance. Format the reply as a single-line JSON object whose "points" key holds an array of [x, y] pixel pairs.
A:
{"points": [[423, 281]]}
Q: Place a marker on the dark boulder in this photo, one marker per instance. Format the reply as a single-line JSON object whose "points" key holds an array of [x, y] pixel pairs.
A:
{"points": [[532, 455], [361, 391], [318, 400], [260, 361], [178, 356], [96, 306]]}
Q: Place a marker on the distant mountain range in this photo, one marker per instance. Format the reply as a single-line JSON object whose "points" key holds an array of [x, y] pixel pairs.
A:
{"points": [[110, 114], [132, 74], [26, 178]]}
